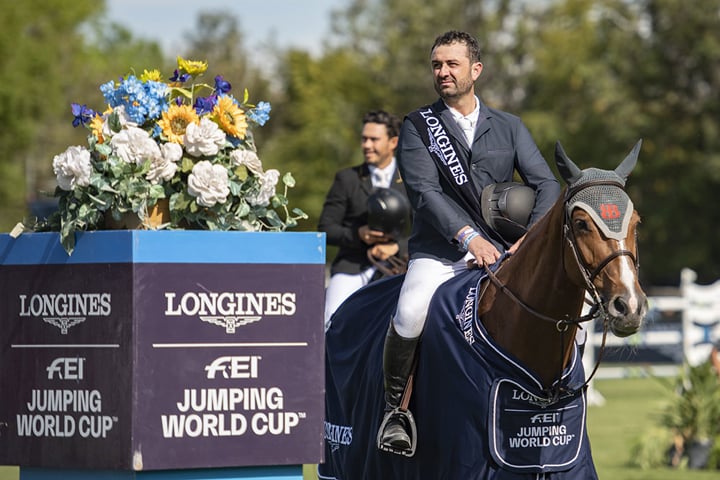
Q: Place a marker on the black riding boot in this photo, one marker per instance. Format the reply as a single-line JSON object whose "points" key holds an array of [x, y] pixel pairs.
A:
{"points": [[396, 431]]}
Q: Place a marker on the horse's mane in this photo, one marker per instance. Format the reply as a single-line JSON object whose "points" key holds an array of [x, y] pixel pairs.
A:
{"points": [[536, 275]]}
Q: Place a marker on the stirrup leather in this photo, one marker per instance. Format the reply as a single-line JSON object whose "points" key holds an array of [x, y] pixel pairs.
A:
{"points": [[406, 418]]}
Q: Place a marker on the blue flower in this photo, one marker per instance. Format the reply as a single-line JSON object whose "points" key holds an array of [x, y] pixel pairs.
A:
{"points": [[204, 105], [177, 77], [143, 101], [83, 115], [221, 85], [260, 114]]}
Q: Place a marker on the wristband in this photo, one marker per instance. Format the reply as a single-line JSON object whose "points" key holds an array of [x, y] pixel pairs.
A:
{"points": [[466, 240], [464, 234]]}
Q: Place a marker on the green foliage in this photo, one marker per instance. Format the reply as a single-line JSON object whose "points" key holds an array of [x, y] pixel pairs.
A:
{"points": [[318, 122], [690, 415], [694, 411], [37, 39]]}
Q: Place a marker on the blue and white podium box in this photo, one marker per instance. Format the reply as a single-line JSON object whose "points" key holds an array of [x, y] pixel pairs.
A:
{"points": [[146, 351]]}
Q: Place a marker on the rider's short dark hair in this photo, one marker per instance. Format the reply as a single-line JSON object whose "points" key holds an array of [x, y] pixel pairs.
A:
{"points": [[391, 122], [455, 36]]}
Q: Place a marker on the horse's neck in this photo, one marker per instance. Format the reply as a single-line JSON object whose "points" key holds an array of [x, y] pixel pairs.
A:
{"points": [[535, 274]]}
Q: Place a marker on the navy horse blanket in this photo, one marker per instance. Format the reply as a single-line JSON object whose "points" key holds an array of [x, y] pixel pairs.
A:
{"points": [[480, 414]]}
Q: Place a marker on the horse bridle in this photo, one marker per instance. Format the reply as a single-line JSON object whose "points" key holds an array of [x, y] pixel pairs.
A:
{"points": [[569, 235], [597, 309]]}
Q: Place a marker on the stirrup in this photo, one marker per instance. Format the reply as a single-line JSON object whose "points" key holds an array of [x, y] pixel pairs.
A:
{"points": [[406, 417]]}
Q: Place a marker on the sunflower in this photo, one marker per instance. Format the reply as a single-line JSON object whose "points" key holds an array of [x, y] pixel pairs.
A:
{"points": [[230, 117], [153, 75], [175, 120], [192, 67]]}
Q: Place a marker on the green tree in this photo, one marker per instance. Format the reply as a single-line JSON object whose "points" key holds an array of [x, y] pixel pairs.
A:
{"points": [[55, 53], [676, 89], [608, 73], [318, 121], [38, 41]]}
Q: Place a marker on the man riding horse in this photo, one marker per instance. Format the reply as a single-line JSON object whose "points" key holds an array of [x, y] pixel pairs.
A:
{"points": [[455, 155]]}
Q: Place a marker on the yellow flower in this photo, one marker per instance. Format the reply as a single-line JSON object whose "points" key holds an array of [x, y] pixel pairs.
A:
{"points": [[192, 67], [153, 75], [230, 117], [97, 124], [175, 120]]}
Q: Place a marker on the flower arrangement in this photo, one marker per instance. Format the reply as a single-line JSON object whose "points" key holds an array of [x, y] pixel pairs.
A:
{"points": [[180, 142]]}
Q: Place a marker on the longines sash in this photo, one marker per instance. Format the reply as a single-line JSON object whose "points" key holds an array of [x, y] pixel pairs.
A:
{"points": [[452, 167]]}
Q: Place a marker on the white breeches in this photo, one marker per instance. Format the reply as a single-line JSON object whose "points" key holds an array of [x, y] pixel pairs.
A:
{"points": [[340, 287], [423, 277]]}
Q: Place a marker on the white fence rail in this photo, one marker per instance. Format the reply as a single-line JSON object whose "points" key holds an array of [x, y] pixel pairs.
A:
{"points": [[678, 327]]}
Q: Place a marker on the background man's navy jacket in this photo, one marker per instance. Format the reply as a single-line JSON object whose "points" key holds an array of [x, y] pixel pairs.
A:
{"points": [[345, 210]]}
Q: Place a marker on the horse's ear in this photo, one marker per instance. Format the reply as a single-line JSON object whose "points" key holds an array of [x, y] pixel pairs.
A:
{"points": [[569, 171], [623, 170]]}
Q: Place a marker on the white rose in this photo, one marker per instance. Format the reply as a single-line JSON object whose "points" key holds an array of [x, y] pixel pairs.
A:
{"points": [[134, 145], [204, 138], [171, 151], [73, 168], [247, 158], [208, 183], [268, 182], [163, 168]]}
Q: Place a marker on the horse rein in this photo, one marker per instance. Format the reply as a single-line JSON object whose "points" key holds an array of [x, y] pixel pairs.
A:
{"points": [[393, 265], [597, 309]]}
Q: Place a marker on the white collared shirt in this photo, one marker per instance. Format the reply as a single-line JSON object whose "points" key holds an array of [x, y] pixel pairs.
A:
{"points": [[382, 177], [467, 122]]}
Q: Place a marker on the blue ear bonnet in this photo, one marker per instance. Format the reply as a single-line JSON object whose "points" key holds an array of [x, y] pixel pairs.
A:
{"points": [[607, 203]]}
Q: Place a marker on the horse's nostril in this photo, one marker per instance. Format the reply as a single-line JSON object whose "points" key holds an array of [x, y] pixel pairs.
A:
{"points": [[621, 308]]}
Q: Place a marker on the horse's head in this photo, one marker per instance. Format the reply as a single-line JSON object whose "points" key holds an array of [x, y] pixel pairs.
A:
{"points": [[600, 230]]}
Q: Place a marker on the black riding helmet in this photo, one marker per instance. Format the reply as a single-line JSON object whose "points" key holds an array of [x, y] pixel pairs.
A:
{"points": [[388, 212], [506, 208]]}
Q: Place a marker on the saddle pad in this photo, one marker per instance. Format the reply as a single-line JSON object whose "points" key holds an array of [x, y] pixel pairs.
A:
{"points": [[527, 436]]}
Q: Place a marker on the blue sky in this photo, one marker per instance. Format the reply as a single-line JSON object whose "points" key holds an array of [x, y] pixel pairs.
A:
{"points": [[298, 23]]}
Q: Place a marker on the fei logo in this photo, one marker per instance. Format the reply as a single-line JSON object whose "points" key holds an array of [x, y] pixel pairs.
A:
{"points": [[230, 309], [242, 366], [66, 368]]}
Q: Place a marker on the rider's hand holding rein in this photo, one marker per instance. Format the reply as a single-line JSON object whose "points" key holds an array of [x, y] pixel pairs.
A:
{"points": [[481, 249]]}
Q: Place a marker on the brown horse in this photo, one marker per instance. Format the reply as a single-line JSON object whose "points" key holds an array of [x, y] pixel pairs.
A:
{"points": [[499, 391], [596, 249]]}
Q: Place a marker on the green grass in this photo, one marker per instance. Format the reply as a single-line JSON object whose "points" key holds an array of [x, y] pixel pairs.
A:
{"points": [[631, 410]]}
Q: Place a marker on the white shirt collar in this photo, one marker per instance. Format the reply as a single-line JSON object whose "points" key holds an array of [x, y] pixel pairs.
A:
{"points": [[385, 173], [473, 116]]}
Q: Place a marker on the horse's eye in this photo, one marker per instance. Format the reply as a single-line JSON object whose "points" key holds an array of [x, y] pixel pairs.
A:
{"points": [[581, 225]]}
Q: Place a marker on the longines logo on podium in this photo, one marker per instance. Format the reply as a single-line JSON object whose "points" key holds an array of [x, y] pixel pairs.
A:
{"points": [[230, 310], [65, 310]]}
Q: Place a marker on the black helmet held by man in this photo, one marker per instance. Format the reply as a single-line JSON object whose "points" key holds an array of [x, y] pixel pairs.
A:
{"points": [[388, 212], [506, 208]]}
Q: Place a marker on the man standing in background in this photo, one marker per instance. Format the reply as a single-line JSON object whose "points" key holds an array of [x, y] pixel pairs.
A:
{"points": [[344, 216]]}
